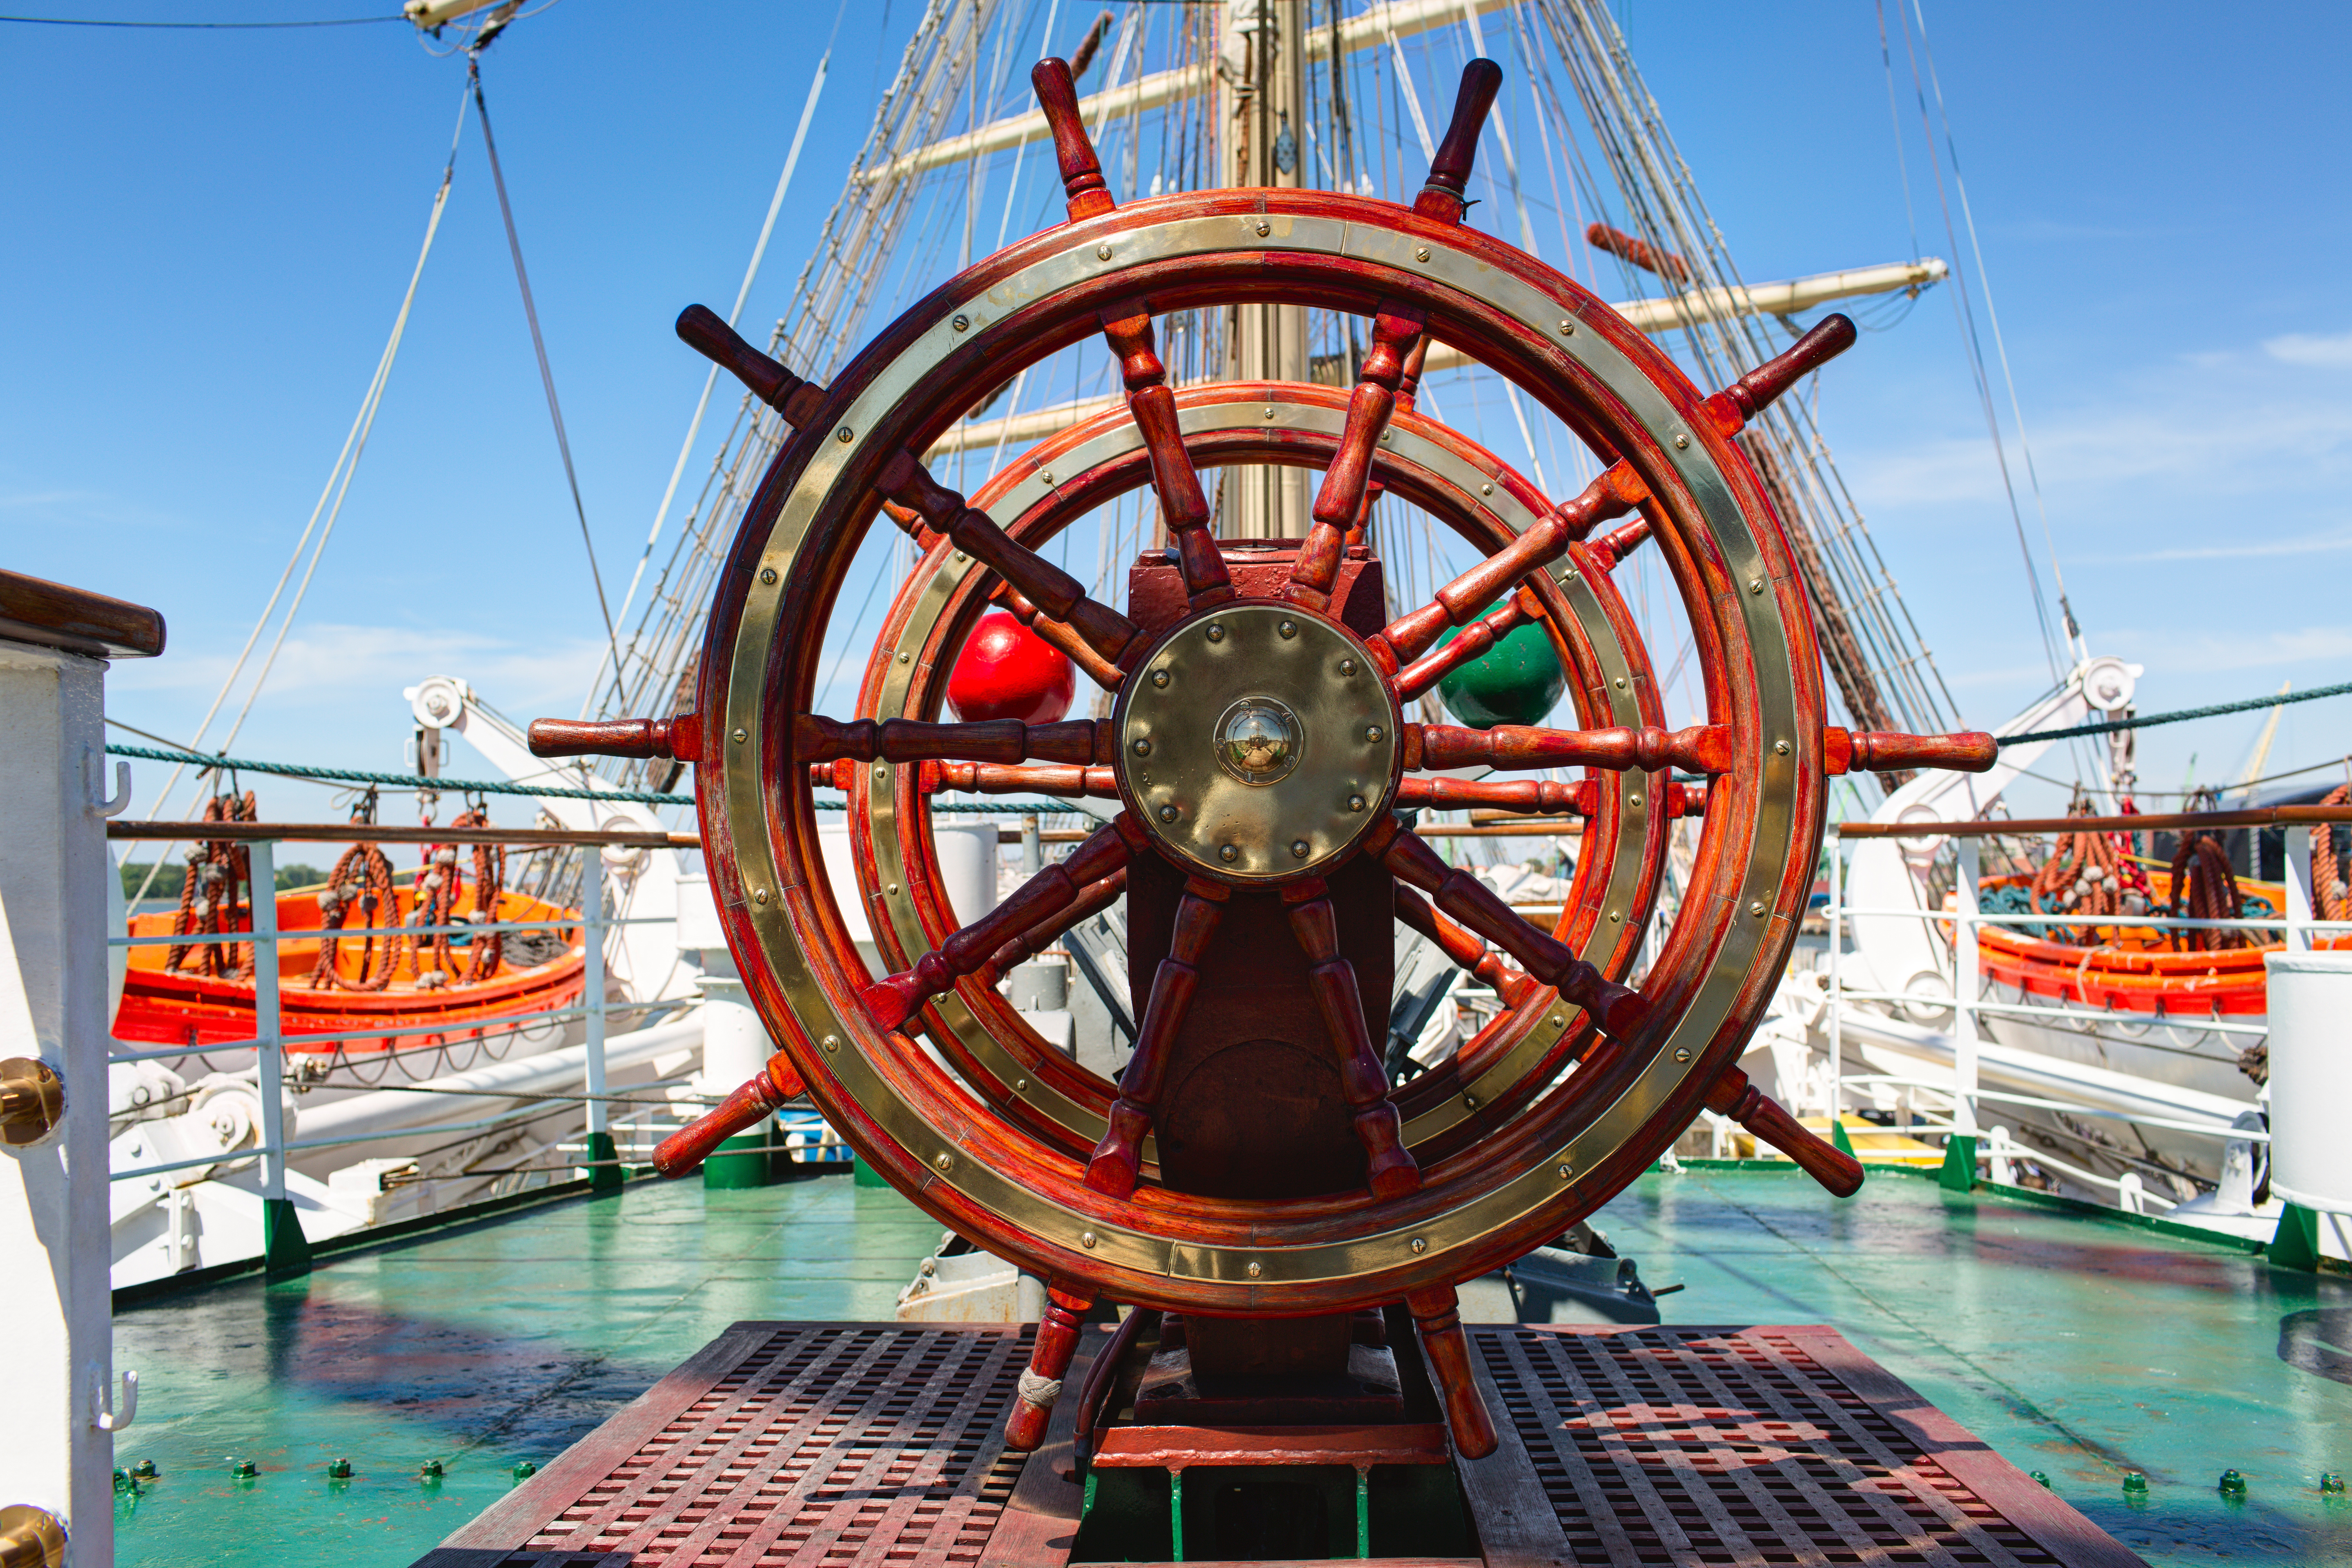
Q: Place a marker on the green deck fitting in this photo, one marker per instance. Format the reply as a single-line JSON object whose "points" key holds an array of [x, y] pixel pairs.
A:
{"points": [[2078, 1346], [740, 1161], [1837, 1136], [604, 1173], [1959, 1171], [285, 1250], [2296, 1243]]}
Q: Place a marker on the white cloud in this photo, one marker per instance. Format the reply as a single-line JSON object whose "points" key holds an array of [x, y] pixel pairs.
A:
{"points": [[2169, 651], [348, 665], [2303, 348], [2241, 550]]}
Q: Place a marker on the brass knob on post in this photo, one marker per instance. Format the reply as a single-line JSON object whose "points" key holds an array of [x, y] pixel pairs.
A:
{"points": [[32, 1102], [31, 1537]]}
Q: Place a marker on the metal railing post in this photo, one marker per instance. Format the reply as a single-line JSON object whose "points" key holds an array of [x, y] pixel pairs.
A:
{"points": [[604, 1153], [2298, 888], [283, 1248], [1836, 1003], [1960, 1149]]}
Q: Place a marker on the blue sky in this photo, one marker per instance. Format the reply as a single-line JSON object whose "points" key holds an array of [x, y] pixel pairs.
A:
{"points": [[208, 235]]}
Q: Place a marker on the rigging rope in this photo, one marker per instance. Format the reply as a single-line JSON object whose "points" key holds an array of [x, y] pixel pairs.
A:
{"points": [[538, 345], [346, 465]]}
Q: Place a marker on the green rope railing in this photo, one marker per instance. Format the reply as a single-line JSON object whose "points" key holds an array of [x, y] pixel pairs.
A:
{"points": [[501, 787], [2144, 720]]}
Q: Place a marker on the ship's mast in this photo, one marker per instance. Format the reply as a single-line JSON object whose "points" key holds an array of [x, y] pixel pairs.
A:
{"points": [[1261, 97]]}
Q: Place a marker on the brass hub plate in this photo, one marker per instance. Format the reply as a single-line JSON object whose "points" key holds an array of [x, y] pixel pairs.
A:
{"points": [[1256, 743]]}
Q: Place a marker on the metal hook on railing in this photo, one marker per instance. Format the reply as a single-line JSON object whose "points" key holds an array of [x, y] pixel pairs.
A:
{"points": [[102, 1415], [99, 802]]}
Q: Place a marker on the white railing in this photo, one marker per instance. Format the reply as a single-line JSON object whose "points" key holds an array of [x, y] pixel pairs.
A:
{"points": [[271, 1147], [1968, 1004]]}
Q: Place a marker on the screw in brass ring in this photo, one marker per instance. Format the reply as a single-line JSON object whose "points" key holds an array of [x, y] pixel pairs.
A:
{"points": [[960, 322], [1102, 253], [768, 575], [759, 895]]}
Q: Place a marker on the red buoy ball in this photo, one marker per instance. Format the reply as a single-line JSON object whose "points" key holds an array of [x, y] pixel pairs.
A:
{"points": [[1007, 671]]}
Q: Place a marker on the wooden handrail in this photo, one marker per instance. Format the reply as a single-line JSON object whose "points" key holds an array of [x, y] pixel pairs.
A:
{"points": [[2256, 816]]}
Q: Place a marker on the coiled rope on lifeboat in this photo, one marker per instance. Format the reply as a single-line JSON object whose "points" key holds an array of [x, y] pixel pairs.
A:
{"points": [[209, 902], [2205, 888], [2086, 874], [438, 892], [2330, 899]]}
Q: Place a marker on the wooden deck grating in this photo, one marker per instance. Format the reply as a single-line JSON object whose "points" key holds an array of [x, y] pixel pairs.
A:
{"points": [[829, 1445]]}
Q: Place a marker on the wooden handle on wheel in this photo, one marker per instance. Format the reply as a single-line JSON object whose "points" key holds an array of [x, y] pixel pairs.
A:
{"points": [[686, 1149], [678, 736], [1833, 1167], [1437, 1312]]}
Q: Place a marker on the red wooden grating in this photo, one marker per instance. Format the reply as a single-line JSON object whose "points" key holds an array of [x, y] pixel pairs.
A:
{"points": [[801, 1444], [1690, 1446]]}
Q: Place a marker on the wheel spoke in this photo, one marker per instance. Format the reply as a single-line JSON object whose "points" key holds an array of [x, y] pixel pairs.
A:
{"points": [[1437, 1314], [701, 329], [1464, 947], [1450, 165], [1862, 751], [1100, 670], [1339, 505], [1362, 1079], [778, 1084], [891, 1002], [1119, 1158], [1074, 150], [1092, 899], [1532, 797], [816, 739], [906, 480], [1733, 1096], [1702, 748], [1616, 492], [1183, 507], [1476, 638], [1616, 1009], [1049, 1362], [987, 778]]}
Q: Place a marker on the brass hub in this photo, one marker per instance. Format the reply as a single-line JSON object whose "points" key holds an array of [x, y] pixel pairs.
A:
{"points": [[1256, 743]]}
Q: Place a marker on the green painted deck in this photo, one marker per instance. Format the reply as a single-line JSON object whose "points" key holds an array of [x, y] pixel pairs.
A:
{"points": [[2074, 1347]]}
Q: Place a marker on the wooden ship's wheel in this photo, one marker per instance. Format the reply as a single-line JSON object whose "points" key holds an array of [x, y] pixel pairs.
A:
{"points": [[1252, 1162]]}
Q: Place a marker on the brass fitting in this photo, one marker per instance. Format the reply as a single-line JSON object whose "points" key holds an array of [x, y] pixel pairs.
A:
{"points": [[30, 1537], [32, 1102]]}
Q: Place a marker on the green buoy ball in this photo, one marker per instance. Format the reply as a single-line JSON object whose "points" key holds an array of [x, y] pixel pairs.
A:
{"points": [[1516, 681]]}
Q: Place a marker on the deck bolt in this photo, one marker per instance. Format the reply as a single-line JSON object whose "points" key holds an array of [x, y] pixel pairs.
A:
{"points": [[339, 1470], [1228, 854], [768, 575], [2134, 1481], [145, 1470], [429, 1472], [1300, 848], [832, 1043], [122, 1481], [1102, 253], [244, 1469], [960, 322], [1421, 253], [2232, 1484], [2038, 1475], [524, 1469], [2331, 1481]]}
